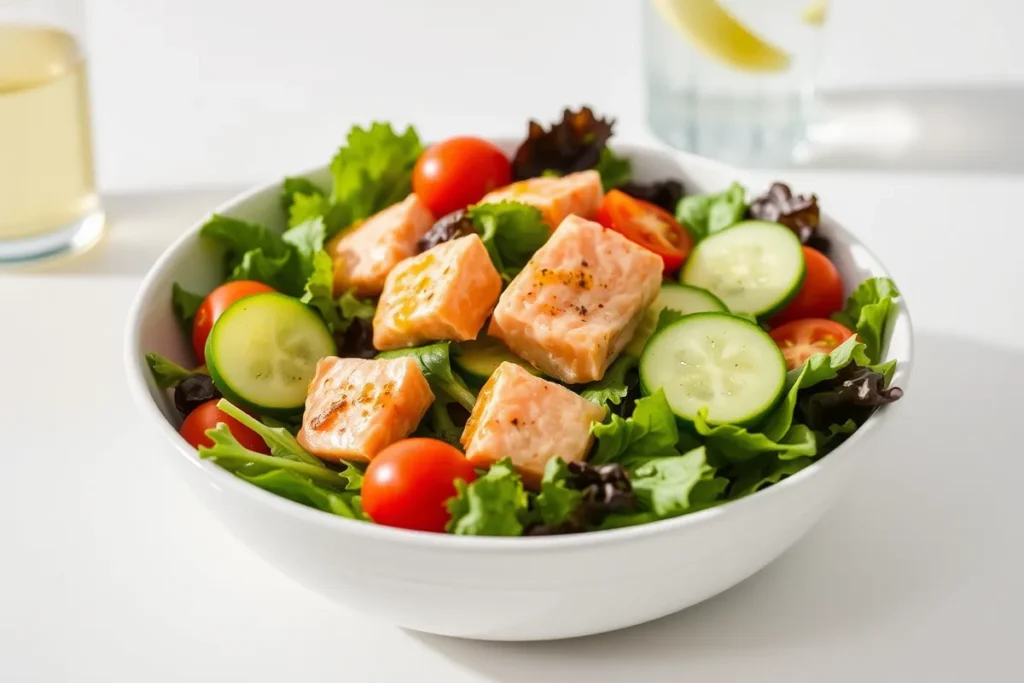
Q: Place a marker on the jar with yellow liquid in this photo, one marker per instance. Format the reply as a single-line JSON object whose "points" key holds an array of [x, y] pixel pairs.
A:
{"points": [[48, 199], [732, 79]]}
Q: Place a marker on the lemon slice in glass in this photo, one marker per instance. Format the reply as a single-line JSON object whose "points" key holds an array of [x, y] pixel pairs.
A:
{"points": [[815, 13], [716, 33]]}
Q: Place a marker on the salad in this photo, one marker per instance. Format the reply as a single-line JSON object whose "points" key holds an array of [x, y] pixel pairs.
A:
{"points": [[450, 340]]}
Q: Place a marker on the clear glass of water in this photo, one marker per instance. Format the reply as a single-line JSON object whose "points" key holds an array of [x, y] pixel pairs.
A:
{"points": [[48, 199], [732, 79]]}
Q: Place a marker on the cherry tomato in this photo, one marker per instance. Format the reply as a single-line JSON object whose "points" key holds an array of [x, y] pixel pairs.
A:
{"points": [[820, 295], [408, 483], [801, 339], [458, 172], [207, 416], [216, 303], [648, 225]]}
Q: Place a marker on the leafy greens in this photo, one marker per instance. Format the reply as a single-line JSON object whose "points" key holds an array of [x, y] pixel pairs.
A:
{"points": [[706, 214]]}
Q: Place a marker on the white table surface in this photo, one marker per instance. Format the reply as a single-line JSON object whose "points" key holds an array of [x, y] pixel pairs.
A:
{"points": [[110, 571]]}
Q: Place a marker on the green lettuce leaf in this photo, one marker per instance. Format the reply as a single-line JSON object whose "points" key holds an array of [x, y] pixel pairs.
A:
{"points": [[270, 270], [284, 446], [340, 313], [778, 435], [234, 457], [706, 214], [291, 187], [678, 484], [166, 372], [372, 171], [435, 362], [307, 207], [185, 304], [304, 491], [650, 431], [867, 313], [556, 504], [306, 240], [816, 369], [512, 233], [764, 471], [834, 435], [614, 386], [666, 317], [493, 505], [737, 445], [253, 252], [614, 170]]}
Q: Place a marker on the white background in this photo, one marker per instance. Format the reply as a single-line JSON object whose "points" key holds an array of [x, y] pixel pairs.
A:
{"points": [[210, 91], [109, 570]]}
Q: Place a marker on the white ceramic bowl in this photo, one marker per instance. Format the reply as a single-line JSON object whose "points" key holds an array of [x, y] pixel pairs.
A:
{"points": [[500, 588]]}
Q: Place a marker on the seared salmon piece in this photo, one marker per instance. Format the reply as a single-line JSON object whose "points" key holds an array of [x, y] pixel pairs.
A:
{"points": [[530, 420], [356, 407], [578, 301], [578, 193], [365, 254], [444, 293]]}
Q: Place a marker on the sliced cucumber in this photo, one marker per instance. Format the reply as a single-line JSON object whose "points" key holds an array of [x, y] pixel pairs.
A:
{"points": [[478, 359], [682, 298], [754, 267], [263, 350], [716, 361]]}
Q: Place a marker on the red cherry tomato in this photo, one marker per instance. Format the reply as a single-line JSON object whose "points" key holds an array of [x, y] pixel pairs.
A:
{"points": [[820, 295], [216, 303], [648, 225], [801, 339], [408, 483], [207, 416], [458, 172]]}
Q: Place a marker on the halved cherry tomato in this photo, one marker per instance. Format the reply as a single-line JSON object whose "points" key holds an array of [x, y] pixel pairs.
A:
{"points": [[408, 484], [801, 339], [648, 225], [458, 172], [820, 295], [216, 303], [207, 416]]}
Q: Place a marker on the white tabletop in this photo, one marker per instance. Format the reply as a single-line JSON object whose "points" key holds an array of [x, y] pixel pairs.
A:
{"points": [[110, 571]]}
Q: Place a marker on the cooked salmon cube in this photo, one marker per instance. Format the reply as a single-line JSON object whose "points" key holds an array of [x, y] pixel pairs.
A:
{"points": [[577, 302], [530, 420], [365, 254], [444, 293], [357, 407], [578, 193]]}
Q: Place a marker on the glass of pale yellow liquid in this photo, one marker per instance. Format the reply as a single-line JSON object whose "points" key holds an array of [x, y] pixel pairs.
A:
{"points": [[48, 199]]}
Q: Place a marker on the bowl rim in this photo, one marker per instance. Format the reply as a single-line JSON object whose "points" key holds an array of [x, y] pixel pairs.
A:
{"points": [[136, 370]]}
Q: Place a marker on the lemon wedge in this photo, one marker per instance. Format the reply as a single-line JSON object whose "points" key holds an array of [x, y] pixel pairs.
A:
{"points": [[815, 13], [716, 33]]}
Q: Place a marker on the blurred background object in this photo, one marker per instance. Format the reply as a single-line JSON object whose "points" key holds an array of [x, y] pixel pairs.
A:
{"points": [[732, 79], [183, 88], [48, 200]]}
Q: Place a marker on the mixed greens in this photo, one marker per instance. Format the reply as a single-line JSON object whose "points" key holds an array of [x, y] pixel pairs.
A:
{"points": [[807, 370]]}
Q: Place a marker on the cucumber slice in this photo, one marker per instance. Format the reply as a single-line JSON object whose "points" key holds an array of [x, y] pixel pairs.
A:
{"points": [[478, 359], [718, 361], [754, 267], [682, 298], [263, 350]]}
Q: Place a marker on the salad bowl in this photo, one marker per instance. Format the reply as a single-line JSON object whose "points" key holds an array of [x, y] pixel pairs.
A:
{"points": [[497, 588]]}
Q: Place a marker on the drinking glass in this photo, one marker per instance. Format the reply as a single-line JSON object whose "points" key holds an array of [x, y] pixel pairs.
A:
{"points": [[48, 200], [732, 79]]}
